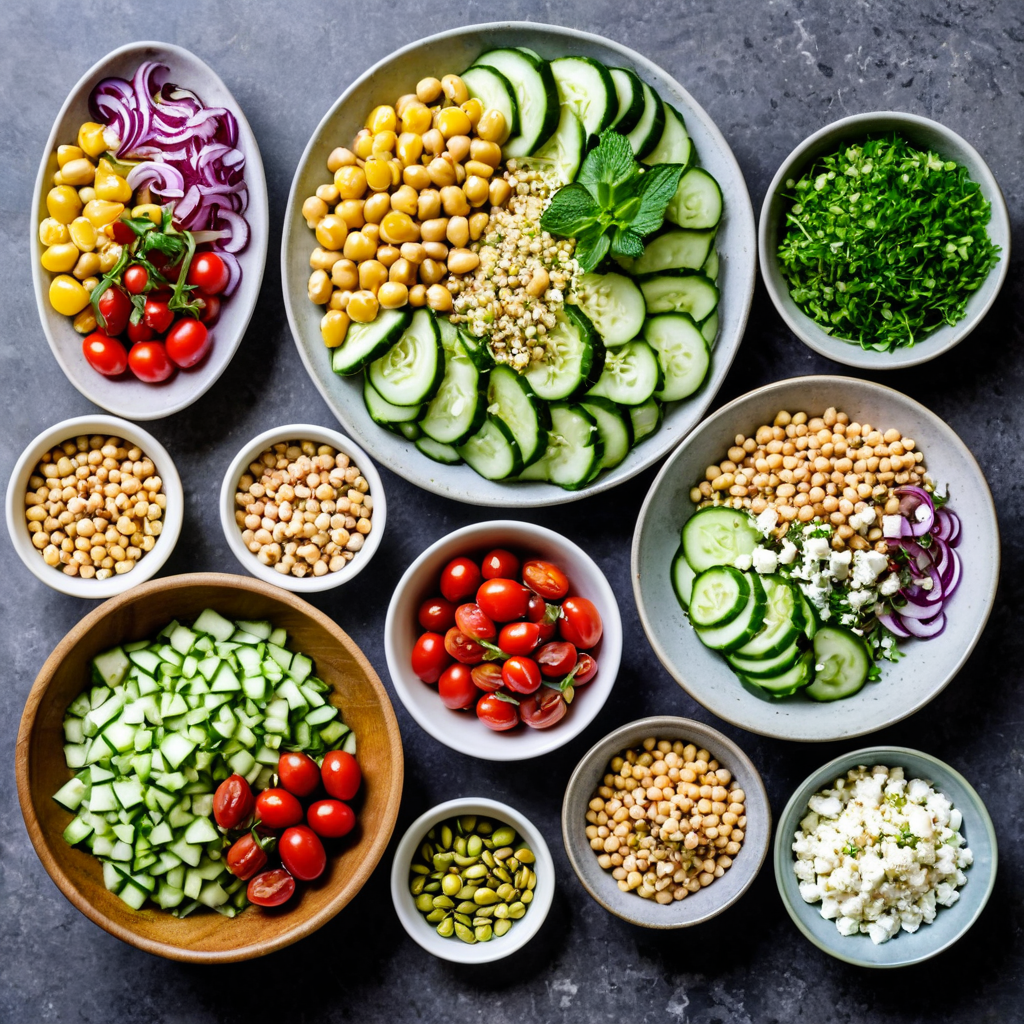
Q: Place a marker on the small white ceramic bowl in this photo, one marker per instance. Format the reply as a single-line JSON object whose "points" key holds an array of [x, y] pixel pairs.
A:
{"points": [[921, 132], [463, 731], [17, 525], [454, 949], [252, 451]]}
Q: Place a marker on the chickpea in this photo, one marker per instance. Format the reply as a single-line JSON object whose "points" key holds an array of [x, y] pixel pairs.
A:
{"points": [[397, 228], [372, 274], [376, 207], [455, 89], [492, 126], [363, 307], [442, 173], [351, 212], [418, 295], [382, 119], [339, 158], [474, 110], [434, 229], [439, 298], [377, 173], [350, 181], [388, 254], [331, 232], [323, 259], [428, 90], [409, 148], [314, 210], [429, 205], [345, 275], [319, 287], [462, 261], [476, 190], [359, 247], [499, 191], [484, 152], [454, 202], [392, 295], [334, 327], [431, 272], [417, 176], [402, 272], [433, 142], [405, 200], [457, 232], [458, 147], [416, 119]]}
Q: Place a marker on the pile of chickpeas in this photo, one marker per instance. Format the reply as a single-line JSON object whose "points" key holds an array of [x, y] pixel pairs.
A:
{"points": [[824, 467], [405, 202], [94, 506], [667, 820]]}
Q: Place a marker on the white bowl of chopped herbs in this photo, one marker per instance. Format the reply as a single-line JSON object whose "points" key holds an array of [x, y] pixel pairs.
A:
{"points": [[884, 240]]}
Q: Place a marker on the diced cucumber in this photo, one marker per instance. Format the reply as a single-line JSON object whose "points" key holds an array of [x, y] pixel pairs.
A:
{"points": [[841, 664], [719, 595], [536, 97], [111, 666], [511, 398], [492, 451], [697, 204], [495, 92], [71, 794], [215, 624], [718, 535], [586, 88], [614, 427], [631, 375], [629, 92], [613, 304], [645, 135], [574, 352], [681, 293], [682, 352], [366, 342]]}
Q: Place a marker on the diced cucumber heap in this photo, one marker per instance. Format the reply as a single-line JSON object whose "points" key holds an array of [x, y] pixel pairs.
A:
{"points": [[164, 723]]}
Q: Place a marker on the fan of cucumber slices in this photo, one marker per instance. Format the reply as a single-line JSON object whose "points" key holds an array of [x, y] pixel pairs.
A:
{"points": [[638, 334]]}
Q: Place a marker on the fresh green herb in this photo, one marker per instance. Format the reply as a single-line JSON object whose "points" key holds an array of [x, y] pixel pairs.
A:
{"points": [[906, 838], [851, 850], [885, 242], [897, 800]]}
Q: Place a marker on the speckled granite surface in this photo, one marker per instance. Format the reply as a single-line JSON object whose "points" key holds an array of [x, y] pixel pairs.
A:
{"points": [[769, 73]]}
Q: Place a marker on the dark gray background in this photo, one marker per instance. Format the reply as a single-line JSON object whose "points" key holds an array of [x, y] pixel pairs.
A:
{"points": [[769, 73]]}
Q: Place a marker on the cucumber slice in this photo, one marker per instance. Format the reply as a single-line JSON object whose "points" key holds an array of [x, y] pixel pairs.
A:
{"points": [[614, 428], [586, 88], [697, 204], [410, 372], [682, 351], [492, 451], [756, 669], [739, 631], [457, 411], [673, 145], [646, 419], [783, 620], [536, 97], [719, 595], [532, 53], [676, 249], [681, 293], [573, 451], [495, 92], [709, 329], [682, 578], [841, 664], [562, 154], [811, 622], [651, 124], [511, 398], [383, 412], [572, 353], [718, 535], [476, 348], [629, 91], [613, 304], [443, 453], [410, 431], [631, 374], [788, 682], [366, 342], [449, 335]]}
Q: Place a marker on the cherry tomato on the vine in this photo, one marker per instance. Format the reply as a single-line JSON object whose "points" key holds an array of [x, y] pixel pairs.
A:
{"points": [[497, 714], [298, 772], [302, 853], [135, 279], [341, 774], [457, 688], [187, 342], [331, 818], [500, 564], [277, 808], [245, 857], [209, 273], [579, 622], [503, 600], [233, 802], [460, 579], [271, 888], [105, 355], [429, 657], [436, 614], [521, 675], [519, 637], [157, 315], [474, 623], [149, 362], [139, 332], [546, 579], [463, 648], [487, 676], [543, 709], [210, 308], [115, 307], [556, 659], [586, 671]]}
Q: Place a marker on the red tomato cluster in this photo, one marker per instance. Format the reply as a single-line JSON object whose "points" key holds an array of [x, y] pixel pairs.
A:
{"points": [[275, 819], [159, 343], [507, 638]]}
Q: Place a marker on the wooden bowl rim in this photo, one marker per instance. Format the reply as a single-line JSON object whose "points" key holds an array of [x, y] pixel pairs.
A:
{"points": [[303, 927]]}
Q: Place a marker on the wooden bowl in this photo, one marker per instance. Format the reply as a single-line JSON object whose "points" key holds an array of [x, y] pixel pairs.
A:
{"points": [[357, 690]]}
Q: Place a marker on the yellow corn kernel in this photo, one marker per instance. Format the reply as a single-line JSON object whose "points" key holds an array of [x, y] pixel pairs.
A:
{"points": [[382, 119], [416, 118], [351, 212], [410, 148], [345, 275], [334, 327], [453, 121], [473, 109], [63, 204], [91, 140], [68, 153], [59, 259], [363, 307], [392, 295], [83, 234], [100, 213], [87, 194], [350, 181], [67, 296], [108, 184], [331, 232], [85, 322], [492, 126], [364, 144], [52, 232], [78, 172], [405, 200], [378, 174], [149, 211], [88, 265], [384, 143], [397, 228]]}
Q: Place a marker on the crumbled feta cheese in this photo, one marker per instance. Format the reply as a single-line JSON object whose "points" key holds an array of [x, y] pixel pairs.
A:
{"points": [[817, 547], [892, 526], [860, 521], [867, 565], [788, 552], [767, 521], [765, 561], [860, 598], [839, 564], [890, 585], [742, 562]]}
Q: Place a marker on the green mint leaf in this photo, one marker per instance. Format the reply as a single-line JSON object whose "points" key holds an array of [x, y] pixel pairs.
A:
{"points": [[609, 164], [626, 242], [571, 211], [657, 187], [591, 248]]}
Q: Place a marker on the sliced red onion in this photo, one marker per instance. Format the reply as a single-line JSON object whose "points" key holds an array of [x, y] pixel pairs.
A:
{"points": [[951, 580], [234, 272], [926, 629], [955, 537], [239, 237], [911, 610], [917, 510], [161, 178], [894, 625]]}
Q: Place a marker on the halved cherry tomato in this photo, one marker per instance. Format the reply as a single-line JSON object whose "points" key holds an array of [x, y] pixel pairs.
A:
{"points": [[135, 279], [211, 308], [104, 354], [341, 774], [536, 610], [298, 772], [302, 853], [579, 622], [471, 620], [456, 687], [233, 802], [139, 332], [149, 362], [245, 857], [277, 808], [556, 659], [187, 342], [500, 564], [543, 709], [331, 818], [123, 234], [157, 315], [521, 675], [436, 614], [497, 714], [209, 273], [519, 637], [115, 307], [487, 676], [460, 579], [586, 671], [546, 579], [161, 262], [429, 657], [503, 600], [271, 888], [462, 648]]}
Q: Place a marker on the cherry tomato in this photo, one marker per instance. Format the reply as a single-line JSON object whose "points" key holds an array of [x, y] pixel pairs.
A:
{"points": [[157, 315], [579, 622], [457, 688], [429, 657], [556, 659], [123, 234], [302, 853], [497, 714], [149, 362], [460, 579], [115, 307], [187, 342], [536, 610], [437, 615], [487, 676], [209, 272], [341, 774], [543, 709], [586, 671], [331, 818], [271, 888], [546, 579], [105, 355], [521, 675], [139, 332], [519, 637], [277, 808], [503, 600], [211, 308], [245, 857], [471, 620], [462, 648], [160, 261], [501, 564], [298, 772], [233, 802], [135, 279]]}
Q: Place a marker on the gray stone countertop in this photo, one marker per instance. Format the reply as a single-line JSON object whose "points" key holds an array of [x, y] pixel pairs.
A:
{"points": [[769, 73]]}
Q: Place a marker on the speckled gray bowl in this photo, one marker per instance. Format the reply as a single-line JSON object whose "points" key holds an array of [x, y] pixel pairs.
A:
{"points": [[951, 922], [454, 51], [905, 686], [700, 906], [928, 135]]}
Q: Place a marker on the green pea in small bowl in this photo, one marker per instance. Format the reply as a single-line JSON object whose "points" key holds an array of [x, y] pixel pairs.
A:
{"points": [[452, 948], [923, 134], [950, 923]]}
